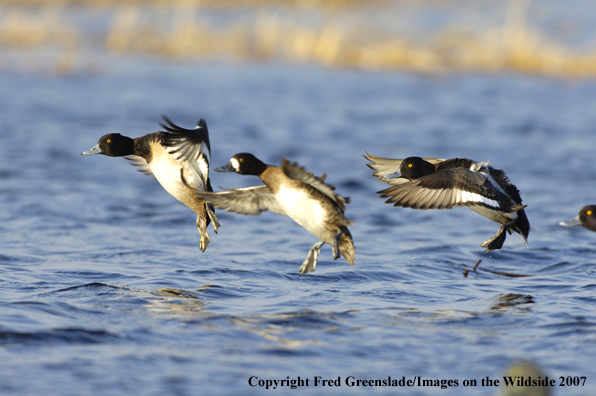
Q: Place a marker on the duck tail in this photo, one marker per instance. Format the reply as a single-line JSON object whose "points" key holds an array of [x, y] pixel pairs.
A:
{"points": [[522, 225], [517, 208], [346, 246]]}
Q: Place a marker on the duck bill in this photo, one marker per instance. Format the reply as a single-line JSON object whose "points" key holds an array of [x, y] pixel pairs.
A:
{"points": [[226, 168], [93, 151], [571, 223], [395, 175]]}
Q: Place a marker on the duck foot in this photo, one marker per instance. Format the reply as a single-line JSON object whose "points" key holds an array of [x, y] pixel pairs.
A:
{"points": [[202, 226], [210, 213], [204, 242], [213, 217], [335, 244], [497, 241], [310, 263]]}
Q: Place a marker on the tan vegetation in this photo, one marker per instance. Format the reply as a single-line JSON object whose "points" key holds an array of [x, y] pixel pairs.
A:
{"points": [[337, 38], [212, 3]]}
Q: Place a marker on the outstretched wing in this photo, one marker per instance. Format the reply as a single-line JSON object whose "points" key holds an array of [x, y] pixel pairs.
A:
{"points": [[296, 172], [139, 161], [448, 188], [190, 147], [385, 166], [247, 201]]}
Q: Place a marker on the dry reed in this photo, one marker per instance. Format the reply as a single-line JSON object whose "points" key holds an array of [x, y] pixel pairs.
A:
{"points": [[183, 30]]}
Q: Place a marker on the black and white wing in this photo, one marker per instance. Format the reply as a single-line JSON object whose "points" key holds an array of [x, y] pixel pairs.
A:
{"points": [[247, 201], [296, 172], [191, 148], [448, 188]]}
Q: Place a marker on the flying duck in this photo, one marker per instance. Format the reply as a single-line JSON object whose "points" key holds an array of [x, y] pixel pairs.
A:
{"points": [[434, 183], [586, 218], [290, 190], [169, 155]]}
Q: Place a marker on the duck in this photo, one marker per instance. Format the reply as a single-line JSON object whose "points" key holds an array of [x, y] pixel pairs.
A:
{"points": [[292, 191], [435, 183], [168, 155], [586, 218]]}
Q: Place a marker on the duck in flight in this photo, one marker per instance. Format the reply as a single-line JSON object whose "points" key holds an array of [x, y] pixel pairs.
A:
{"points": [[166, 155], [433, 183], [290, 190]]}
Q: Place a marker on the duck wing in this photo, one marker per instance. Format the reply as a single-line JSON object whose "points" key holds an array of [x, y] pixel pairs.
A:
{"points": [[139, 161], [296, 172], [247, 201], [501, 178], [191, 148], [447, 188], [385, 166]]}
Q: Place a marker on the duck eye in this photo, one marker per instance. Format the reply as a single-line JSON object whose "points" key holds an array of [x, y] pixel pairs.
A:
{"points": [[589, 213], [410, 165], [109, 141], [241, 159]]}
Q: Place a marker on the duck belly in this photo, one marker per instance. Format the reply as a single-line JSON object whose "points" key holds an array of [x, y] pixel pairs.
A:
{"points": [[167, 171], [305, 210]]}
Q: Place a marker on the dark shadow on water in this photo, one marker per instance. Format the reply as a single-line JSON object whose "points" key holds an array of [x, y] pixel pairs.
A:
{"points": [[58, 337]]}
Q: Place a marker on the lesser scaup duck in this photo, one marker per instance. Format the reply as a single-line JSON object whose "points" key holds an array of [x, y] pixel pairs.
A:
{"points": [[290, 190], [434, 183], [168, 155], [586, 218]]}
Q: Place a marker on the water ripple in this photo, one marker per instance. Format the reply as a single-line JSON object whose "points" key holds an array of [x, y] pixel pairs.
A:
{"points": [[103, 287]]}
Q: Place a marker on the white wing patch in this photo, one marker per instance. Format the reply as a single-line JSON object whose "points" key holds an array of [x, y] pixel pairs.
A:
{"points": [[467, 197], [204, 163]]}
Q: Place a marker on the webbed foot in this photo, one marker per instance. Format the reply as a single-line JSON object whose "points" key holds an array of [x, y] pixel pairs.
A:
{"points": [[498, 240], [310, 263], [335, 244], [202, 226], [213, 217], [204, 241]]}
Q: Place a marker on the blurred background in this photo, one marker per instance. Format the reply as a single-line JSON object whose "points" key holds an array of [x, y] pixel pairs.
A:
{"points": [[545, 37]]}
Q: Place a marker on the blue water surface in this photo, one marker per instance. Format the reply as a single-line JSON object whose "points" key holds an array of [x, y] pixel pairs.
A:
{"points": [[103, 288]]}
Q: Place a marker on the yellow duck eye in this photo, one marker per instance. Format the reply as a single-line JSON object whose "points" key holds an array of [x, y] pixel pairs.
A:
{"points": [[109, 141], [410, 165], [589, 213]]}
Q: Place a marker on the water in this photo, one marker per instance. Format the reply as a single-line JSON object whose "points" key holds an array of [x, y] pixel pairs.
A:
{"points": [[103, 289]]}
